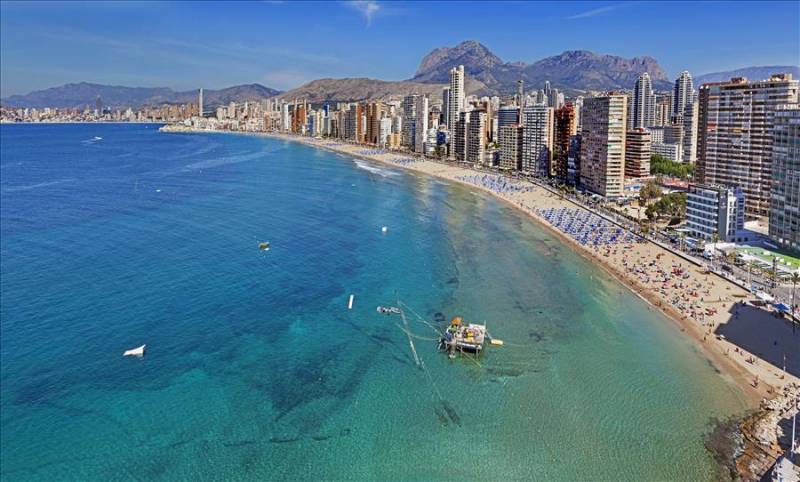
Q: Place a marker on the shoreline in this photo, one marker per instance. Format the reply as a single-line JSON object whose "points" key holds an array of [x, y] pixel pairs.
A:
{"points": [[757, 378]]}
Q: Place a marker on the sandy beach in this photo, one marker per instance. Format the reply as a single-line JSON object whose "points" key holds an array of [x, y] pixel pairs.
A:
{"points": [[746, 343]]}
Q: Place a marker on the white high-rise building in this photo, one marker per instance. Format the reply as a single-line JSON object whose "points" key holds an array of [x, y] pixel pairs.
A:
{"points": [[643, 110], [682, 94], [455, 104], [445, 106], [537, 139], [421, 128], [200, 103]]}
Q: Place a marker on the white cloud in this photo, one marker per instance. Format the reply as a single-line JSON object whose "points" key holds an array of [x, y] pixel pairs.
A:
{"points": [[595, 11], [367, 8]]}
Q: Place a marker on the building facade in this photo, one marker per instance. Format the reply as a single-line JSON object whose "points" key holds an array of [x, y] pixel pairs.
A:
{"points": [[565, 130], [643, 106], [714, 210], [637, 153], [602, 155], [510, 137], [455, 103], [784, 214], [734, 143], [537, 139]]}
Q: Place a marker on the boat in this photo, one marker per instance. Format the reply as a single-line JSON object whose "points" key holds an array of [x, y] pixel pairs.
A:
{"points": [[389, 310], [263, 246], [138, 351], [463, 337]]}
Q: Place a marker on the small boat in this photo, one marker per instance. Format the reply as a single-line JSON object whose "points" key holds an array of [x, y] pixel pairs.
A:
{"points": [[388, 310], [138, 351], [263, 246]]}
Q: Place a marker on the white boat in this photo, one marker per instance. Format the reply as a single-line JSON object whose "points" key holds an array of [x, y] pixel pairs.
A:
{"points": [[138, 351]]}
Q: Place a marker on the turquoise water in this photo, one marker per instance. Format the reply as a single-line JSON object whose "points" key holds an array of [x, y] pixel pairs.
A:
{"points": [[255, 369]]}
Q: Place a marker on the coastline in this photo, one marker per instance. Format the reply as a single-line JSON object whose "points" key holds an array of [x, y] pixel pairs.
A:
{"points": [[757, 378]]}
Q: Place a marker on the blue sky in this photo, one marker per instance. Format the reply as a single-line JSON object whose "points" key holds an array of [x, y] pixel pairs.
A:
{"points": [[185, 45]]}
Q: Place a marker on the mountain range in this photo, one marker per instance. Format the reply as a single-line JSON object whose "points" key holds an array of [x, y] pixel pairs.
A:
{"points": [[573, 71], [119, 97], [751, 73]]}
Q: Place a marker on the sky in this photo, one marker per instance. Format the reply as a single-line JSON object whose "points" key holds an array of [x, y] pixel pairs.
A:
{"points": [[282, 44]]}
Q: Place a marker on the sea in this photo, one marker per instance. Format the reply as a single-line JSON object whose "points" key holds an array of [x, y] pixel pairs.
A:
{"points": [[118, 235]]}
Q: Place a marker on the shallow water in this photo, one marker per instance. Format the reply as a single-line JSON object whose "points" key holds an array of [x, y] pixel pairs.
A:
{"points": [[255, 369]]}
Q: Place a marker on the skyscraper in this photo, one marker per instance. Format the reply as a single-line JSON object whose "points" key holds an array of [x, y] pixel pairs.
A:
{"points": [[602, 157], [734, 137], [784, 214], [537, 139], [682, 94], [690, 132], [200, 102], [510, 147], [409, 108], [637, 153], [564, 131], [455, 103], [421, 128], [476, 137], [446, 106], [644, 103]]}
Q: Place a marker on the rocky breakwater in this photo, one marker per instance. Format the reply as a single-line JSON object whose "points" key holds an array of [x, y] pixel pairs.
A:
{"points": [[749, 447]]}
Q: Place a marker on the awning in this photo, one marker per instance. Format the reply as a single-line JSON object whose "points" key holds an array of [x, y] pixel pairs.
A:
{"points": [[764, 296], [782, 307]]}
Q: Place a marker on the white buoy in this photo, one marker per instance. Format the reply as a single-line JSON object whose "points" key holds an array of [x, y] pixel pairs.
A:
{"points": [[384, 229], [350, 303], [139, 351]]}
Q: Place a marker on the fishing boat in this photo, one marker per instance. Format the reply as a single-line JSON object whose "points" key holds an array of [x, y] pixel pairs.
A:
{"points": [[462, 337]]}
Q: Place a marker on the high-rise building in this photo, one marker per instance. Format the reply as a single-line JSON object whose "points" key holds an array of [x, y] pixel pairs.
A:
{"points": [[200, 102], [510, 147], [663, 110], [455, 104], [784, 214], [637, 152], [409, 108], [734, 141], [602, 164], [537, 139], [690, 132], [644, 103], [421, 128], [565, 129], [459, 137], [682, 94], [507, 115], [446, 106], [375, 113], [712, 209], [476, 138]]}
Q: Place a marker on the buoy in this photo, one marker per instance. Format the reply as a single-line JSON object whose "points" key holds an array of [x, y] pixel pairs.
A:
{"points": [[495, 341], [139, 351], [384, 229], [350, 303]]}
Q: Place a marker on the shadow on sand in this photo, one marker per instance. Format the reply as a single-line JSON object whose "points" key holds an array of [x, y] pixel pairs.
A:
{"points": [[765, 334]]}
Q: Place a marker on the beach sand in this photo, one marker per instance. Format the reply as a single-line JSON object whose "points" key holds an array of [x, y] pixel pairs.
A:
{"points": [[754, 342]]}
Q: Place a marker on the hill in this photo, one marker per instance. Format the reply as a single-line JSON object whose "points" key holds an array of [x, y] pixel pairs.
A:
{"points": [[121, 97]]}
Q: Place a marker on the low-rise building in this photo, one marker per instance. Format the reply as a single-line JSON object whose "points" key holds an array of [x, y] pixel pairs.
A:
{"points": [[671, 152]]}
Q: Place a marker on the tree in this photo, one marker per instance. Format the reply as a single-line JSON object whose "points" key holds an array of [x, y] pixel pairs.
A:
{"points": [[649, 192]]}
